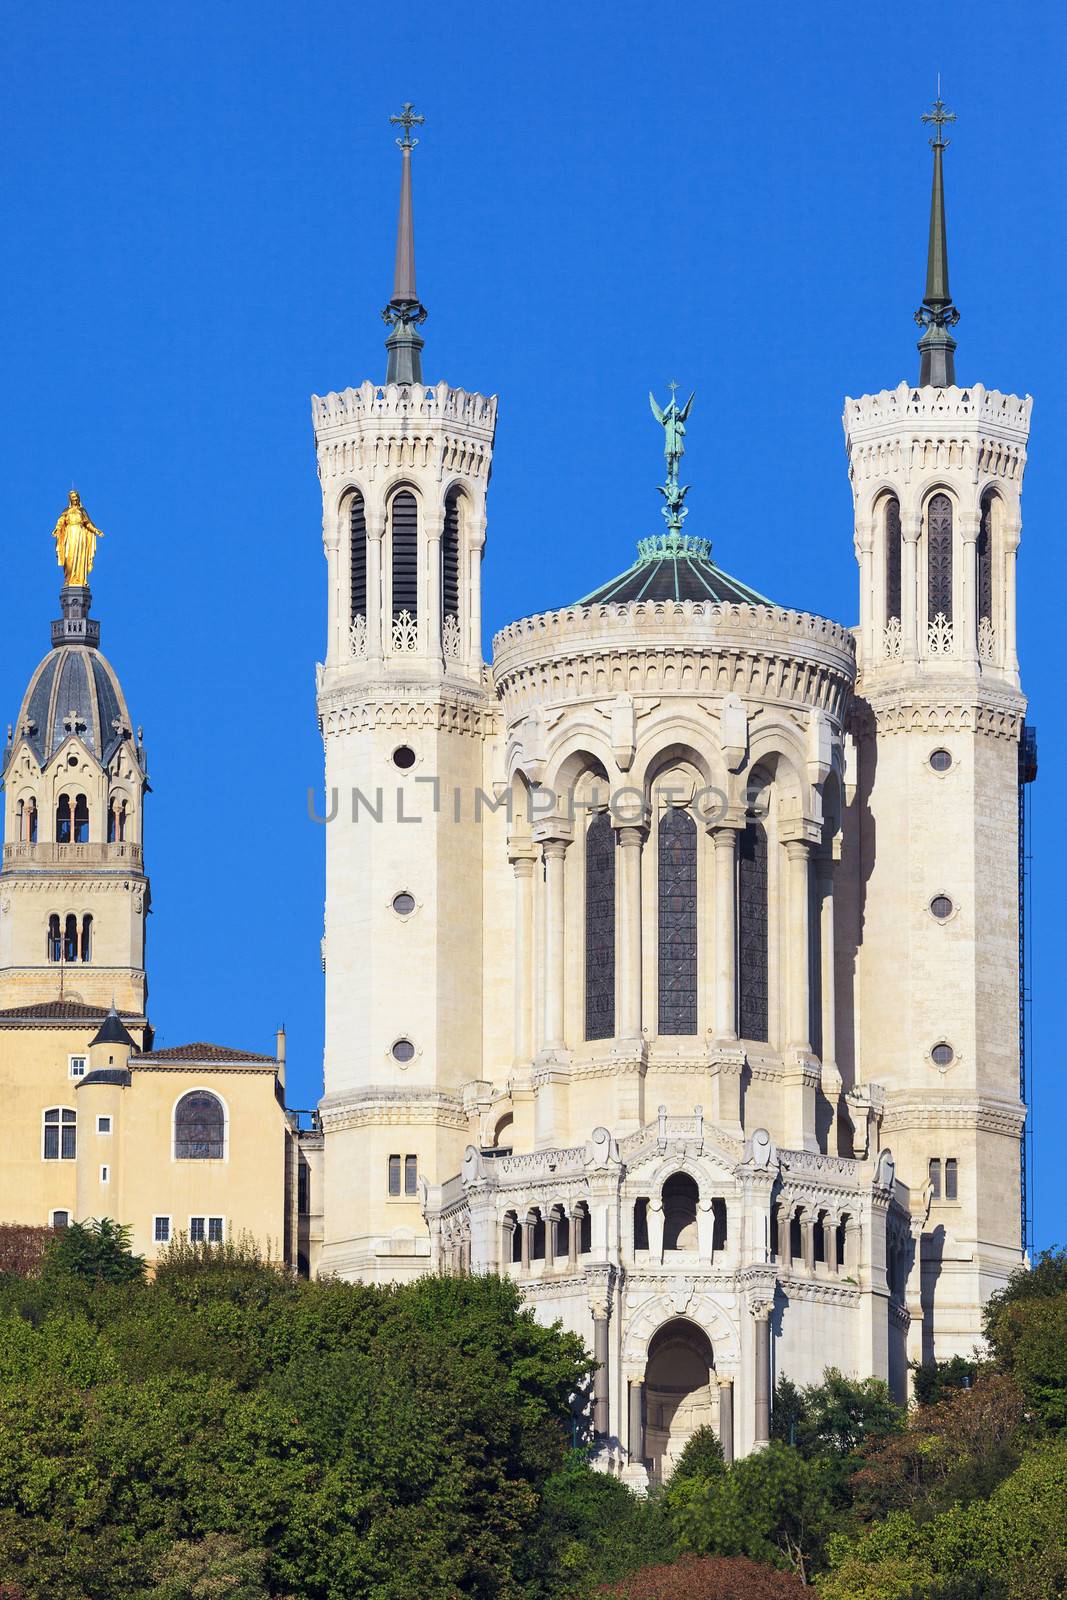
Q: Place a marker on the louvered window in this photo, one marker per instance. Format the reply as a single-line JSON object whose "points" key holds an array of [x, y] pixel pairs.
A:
{"points": [[985, 561], [450, 559], [892, 559], [405, 522], [752, 932], [939, 558], [358, 530], [677, 922], [600, 928]]}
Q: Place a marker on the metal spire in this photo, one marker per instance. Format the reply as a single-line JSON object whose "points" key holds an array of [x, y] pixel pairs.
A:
{"points": [[937, 314], [405, 310]]}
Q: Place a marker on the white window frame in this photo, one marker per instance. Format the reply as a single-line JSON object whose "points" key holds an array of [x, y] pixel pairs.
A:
{"points": [[156, 1220], [200, 1088], [59, 1129], [84, 1059], [52, 1215], [105, 1174], [222, 1230], [101, 1119]]}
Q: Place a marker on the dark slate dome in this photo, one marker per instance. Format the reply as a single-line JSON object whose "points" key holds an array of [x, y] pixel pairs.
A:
{"points": [[674, 567], [74, 690]]}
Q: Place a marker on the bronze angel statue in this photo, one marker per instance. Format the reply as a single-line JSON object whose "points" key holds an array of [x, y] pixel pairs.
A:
{"points": [[672, 420], [76, 534]]}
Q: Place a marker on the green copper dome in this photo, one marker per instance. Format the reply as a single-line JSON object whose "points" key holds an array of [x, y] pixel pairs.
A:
{"points": [[674, 566]]}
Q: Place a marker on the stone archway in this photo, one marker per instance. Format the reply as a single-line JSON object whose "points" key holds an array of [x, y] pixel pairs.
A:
{"points": [[681, 1393]]}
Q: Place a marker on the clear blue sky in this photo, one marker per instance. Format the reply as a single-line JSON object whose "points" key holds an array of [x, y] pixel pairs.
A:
{"points": [[198, 205]]}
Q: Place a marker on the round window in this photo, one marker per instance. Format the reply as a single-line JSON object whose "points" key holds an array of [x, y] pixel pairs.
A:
{"points": [[942, 1055], [403, 903], [403, 1051], [403, 757], [940, 760], [941, 907]]}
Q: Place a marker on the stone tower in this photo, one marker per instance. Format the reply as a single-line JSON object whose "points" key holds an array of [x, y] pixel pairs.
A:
{"points": [[405, 715], [936, 471], [73, 890]]}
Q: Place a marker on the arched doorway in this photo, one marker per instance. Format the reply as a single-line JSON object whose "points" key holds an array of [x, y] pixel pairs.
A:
{"points": [[680, 1393]]}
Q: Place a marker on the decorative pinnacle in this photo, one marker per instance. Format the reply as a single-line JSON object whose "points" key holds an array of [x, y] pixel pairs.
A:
{"points": [[405, 310], [937, 314]]}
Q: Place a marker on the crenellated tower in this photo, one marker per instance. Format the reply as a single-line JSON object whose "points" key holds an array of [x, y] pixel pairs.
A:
{"points": [[936, 471], [404, 469], [74, 896]]}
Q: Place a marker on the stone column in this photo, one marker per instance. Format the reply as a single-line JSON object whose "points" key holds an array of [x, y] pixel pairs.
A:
{"points": [[824, 869], [799, 1029], [1007, 646], [761, 1311], [339, 612], [865, 554], [375, 598], [474, 592], [969, 526], [550, 1241], [830, 1244], [726, 1418], [554, 851], [527, 1229], [507, 1234], [637, 1420], [522, 861], [431, 631], [909, 587], [785, 1224], [600, 1377], [631, 841], [573, 1228], [725, 933], [807, 1235]]}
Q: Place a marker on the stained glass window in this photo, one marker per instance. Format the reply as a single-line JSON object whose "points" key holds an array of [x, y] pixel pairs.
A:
{"points": [[752, 932], [892, 559], [600, 928], [677, 922], [939, 558], [199, 1127]]}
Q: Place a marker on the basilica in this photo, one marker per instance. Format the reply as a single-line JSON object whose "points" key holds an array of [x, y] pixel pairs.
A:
{"points": [[691, 1002]]}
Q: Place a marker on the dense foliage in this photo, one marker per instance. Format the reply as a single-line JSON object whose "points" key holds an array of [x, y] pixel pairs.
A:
{"points": [[227, 1433]]}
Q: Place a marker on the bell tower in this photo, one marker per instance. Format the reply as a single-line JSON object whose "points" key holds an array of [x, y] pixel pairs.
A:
{"points": [[405, 717], [936, 469], [74, 896]]}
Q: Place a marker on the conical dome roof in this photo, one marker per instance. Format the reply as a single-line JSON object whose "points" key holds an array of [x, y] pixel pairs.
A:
{"points": [[673, 567]]}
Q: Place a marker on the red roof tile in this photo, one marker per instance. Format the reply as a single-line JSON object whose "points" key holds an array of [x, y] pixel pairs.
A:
{"points": [[202, 1054]]}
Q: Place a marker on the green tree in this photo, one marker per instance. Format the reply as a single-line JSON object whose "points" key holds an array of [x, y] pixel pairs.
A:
{"points": [[835, 1416], [775, 1506], [98, 1252], [701, 1457]]}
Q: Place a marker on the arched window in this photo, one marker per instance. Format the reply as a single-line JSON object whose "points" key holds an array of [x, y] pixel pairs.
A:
{"points": [[939, 558], [31, 831], [199, 1127], [63, 820], [70, 938], [985, 561], [405, 554], [641, 1223], [60, 1134], [892, 559], [81, 820], [358, 536], [680, 1196], [600, 928], [55, 939], [677, 922], [450, 576], [116, 820], [87, 938], [752, 932]]}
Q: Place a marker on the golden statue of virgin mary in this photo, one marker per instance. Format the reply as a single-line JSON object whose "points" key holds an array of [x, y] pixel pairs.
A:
{"points": [[76, 535]]}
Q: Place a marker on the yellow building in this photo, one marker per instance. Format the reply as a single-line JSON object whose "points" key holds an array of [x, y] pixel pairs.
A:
{"points": [[192, 1141]]}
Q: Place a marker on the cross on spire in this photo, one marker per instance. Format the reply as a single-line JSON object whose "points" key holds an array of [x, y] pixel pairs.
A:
{"points": [[408, 119], [939, 116]]}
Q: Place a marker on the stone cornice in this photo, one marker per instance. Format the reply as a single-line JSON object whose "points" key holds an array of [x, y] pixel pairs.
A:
{"points": [[941, 1111], [392, 1107], [361, 706], [820, 1291], [892, 704], [667, 647], [373, 431]]}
